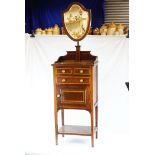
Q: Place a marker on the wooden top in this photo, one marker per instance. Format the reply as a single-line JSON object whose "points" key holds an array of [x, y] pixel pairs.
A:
{"points": [[70, 59]]}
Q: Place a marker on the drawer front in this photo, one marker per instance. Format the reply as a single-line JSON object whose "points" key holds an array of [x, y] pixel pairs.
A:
{"points": [[64, 71], [72, 80], [81, 71]]}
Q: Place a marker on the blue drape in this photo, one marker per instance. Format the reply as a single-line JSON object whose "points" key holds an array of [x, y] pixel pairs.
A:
{"points": [[47, 13]]}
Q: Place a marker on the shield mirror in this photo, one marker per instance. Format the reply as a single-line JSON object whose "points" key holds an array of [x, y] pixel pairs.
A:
{"points": [[76, 20]]}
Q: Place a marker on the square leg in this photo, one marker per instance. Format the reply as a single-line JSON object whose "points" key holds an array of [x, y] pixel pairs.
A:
{"points": [[92, 128], [62, 118], [56, 126], [96, 120]]}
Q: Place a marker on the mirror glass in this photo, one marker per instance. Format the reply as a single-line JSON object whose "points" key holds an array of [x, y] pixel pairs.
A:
{"points": [[76, 22]]}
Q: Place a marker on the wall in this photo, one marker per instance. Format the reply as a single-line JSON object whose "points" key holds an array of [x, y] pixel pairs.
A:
{"points": [[117, 11]]}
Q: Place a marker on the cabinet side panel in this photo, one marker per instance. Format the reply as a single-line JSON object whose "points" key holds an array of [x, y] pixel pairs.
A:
{"points": [[95, 84]]}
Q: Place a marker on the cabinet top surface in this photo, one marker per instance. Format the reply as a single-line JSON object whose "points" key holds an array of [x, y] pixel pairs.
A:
{"points": [[69, 59], [76, 63]]}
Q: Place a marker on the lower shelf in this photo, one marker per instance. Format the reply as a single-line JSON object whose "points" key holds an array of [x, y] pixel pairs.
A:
{"points": [[76, 130]]}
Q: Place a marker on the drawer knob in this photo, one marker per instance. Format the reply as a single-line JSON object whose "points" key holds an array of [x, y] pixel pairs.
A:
{"points": [[81, 71], [81, 80], [63, 80], [63, 71], [58, 95]]}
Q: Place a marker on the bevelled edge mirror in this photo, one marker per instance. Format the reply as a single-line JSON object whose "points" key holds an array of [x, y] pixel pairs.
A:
{"points": [[76, 21]]}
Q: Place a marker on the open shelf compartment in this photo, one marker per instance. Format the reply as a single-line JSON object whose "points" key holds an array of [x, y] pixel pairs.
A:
{"points": [[76, 130]]}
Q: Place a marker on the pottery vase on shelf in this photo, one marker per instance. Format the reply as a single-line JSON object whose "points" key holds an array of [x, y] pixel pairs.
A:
{"points": [[43, 32], [111, 29], [121, 31], [120, 28], [96, 31], [56, 30], [126, 30], [49, 31], [103, 29], [116, 32], [38, 31]]}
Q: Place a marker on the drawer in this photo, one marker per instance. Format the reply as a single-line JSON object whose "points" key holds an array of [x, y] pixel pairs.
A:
{"points": [[82, 71], [72, 80], [63, 70]]}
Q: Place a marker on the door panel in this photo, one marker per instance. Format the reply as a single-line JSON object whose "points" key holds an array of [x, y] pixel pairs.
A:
{"points": [[72, 96]]}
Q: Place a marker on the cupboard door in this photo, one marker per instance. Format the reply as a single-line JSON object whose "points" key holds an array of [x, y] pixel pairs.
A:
{"points": [[72, 96]]}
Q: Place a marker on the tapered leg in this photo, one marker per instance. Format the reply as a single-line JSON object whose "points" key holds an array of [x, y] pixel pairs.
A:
{"points": [[62, 118], [92, 128], [56, 126], [96, 120]]}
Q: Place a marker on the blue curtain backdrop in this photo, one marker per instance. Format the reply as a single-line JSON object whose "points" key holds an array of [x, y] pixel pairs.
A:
{"points": [[47, 13]]}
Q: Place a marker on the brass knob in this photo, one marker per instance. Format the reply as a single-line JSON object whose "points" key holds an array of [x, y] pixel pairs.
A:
{"points": [[58, 95], [63, 71], [81, 80], [81, 71], [63, 80]]}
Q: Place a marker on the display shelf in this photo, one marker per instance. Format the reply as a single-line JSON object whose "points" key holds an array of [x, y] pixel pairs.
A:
{"points": [[76, 130]]}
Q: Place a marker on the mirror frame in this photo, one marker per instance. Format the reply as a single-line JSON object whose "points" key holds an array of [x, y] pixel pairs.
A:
{"points": [[89, 20]]}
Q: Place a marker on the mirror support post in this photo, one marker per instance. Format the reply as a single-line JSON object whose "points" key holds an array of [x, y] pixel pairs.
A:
{"points": [[78, 51]]}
